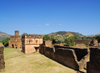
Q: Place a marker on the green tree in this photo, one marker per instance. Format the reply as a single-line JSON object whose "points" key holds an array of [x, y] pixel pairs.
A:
{"points": [[5, 41], [69, 40], [51, 37], [46, 37], [86, 43], [59, 39], [87, 38], [24, 34], [98, 38]]}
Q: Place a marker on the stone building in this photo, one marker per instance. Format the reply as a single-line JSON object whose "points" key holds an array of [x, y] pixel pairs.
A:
{"points": [[15, 41], [30, 43]]}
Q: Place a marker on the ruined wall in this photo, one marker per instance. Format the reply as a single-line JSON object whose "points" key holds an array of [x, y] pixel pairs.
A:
{"points": [[47, 43], [94, 65], [94, 42], [2, 63], [68, 56], [15, 43], [82, 41]]}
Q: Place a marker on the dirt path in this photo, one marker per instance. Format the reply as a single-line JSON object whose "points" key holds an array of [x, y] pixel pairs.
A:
{"points": [[20, 52]]}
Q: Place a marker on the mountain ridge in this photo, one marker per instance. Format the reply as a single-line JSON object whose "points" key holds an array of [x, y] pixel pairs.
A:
{"points": [[3, 36], [66, 34]]}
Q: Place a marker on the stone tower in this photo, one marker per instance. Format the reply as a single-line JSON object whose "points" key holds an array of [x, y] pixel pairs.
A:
{"points": [[16, 33], [15, 41]]}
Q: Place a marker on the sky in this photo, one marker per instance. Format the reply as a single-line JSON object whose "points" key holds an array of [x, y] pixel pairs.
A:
{"points": [[47, 16]]}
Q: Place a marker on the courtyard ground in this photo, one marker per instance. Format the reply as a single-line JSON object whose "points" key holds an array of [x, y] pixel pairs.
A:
{"points": [[17, 62]]}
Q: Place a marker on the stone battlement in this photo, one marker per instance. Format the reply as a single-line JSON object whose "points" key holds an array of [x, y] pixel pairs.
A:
{"points": [[32, 36]]}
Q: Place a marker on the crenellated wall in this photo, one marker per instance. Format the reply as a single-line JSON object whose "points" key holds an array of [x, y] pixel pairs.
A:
{"points": [[72, 57]]}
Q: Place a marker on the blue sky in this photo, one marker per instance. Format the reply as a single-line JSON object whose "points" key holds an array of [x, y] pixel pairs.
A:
{"points": [[47, 16]]}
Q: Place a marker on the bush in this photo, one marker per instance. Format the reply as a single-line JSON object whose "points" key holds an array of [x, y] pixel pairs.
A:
{"points": [[86, 43], [98, 38], [5, 42], [59, 39], [46, 37], [69, 40], [71, 44]]}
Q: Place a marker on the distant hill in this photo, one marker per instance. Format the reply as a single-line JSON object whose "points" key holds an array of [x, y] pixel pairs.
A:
{"points": [[93, 35], [3, 36], [68, 34]]}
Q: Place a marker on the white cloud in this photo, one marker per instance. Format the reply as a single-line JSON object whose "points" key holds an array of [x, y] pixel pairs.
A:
{"points": [[47, 24], [60, 24]]}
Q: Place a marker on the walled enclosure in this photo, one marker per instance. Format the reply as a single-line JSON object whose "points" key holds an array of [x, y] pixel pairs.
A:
{"points": [[2, 63], [15, 41], [72, 57], [30, 43], [94, 65]]}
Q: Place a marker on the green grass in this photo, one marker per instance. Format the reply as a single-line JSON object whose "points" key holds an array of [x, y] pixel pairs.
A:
{"points": [[33, 63], [10, 52]]}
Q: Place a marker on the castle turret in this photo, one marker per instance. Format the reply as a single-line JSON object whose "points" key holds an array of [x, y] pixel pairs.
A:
{"points": [[16, 33]]}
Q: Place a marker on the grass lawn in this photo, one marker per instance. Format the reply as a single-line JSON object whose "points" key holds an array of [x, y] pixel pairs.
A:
{"points": [[10, 52], [32, 63]]}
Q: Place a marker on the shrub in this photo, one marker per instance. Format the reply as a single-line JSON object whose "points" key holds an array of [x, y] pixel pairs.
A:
{"points": [[5, 41], [86, 43], [69, 40], [59, 39], [46, 37]]}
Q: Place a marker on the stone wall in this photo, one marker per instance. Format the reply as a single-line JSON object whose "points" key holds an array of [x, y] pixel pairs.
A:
{"points": [[72, 57], [94, 65], [2, 63], [47, 43], [82, 41]]}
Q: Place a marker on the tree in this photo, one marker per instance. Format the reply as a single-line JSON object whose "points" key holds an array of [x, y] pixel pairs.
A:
{"points": [[59, 39], [5, 41], [46, 37], [69, 40], [51, 37], [87, 38], [24, 34], [98, 38]]}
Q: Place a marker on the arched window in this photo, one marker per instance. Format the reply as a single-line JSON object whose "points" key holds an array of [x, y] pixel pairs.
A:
{"points": [[36, 41], [30, 41]]}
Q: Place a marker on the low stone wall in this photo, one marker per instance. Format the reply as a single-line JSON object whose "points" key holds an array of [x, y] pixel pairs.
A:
{"points": [[72, 57], [82, 41], [94, 65], [2, 63]]}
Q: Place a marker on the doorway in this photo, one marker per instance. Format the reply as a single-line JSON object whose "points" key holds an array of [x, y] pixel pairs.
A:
{"points": [[12, 45], [36, 49]]}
